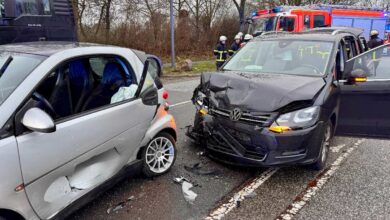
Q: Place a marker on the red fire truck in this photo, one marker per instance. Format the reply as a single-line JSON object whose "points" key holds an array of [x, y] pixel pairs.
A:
{"points": [[296, 19]]}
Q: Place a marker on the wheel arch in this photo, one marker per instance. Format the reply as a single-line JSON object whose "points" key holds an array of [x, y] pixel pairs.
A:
{"points": [[169, 131], [10, 214]]}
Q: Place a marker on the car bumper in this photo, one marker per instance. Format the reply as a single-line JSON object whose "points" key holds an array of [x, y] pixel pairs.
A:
{"points": [[243, 144]]}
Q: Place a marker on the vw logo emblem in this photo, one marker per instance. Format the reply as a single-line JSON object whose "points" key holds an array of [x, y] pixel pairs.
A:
{"points": [[236, 114]]}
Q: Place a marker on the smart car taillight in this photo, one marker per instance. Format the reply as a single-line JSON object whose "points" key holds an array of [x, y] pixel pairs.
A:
{"points": [[165, 95]]}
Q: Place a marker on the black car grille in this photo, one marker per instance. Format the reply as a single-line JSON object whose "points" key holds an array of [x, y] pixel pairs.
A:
{"points": [[217, 143], [261, 119]]}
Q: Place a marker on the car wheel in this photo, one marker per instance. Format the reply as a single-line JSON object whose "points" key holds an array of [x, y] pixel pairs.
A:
{"points": [[159, 155], [325, 145]]}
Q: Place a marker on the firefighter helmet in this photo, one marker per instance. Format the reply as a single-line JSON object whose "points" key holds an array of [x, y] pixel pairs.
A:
{"points": [[237, 37], [222, 38], [248, 37], [374, 33]]}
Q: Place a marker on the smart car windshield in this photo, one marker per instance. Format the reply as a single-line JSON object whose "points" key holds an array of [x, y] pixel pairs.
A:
{"points": [[14, 68], [295, 57]]}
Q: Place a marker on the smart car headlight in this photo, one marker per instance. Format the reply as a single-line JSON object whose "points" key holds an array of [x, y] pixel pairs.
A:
{"points": [[302, 118]]}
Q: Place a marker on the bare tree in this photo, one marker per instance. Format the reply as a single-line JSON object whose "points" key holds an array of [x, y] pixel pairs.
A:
{"points": [[241, 12]]}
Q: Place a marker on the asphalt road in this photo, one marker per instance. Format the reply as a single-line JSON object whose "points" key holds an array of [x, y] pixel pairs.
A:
{"points": [[356, 184]]}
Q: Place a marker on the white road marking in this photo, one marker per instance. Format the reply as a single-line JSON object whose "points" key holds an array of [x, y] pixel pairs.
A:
{"points": [[224, 209], [315, 185], [179, 104], [337, 148]]}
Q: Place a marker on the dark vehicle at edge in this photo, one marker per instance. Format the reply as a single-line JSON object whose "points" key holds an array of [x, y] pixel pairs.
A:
{"points": [[280, 100], [36, 20]]}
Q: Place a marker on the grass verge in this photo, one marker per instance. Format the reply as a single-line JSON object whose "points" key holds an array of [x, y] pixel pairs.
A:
{"points": [[197, 68]]}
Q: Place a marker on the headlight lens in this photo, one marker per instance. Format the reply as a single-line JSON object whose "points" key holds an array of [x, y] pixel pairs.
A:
{"points": [[303, 118]]}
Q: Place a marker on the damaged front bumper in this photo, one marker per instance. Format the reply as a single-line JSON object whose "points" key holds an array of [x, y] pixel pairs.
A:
{"points": [[248, 144]]}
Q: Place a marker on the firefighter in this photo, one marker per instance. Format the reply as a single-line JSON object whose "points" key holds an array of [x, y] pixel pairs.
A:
{"points": [[241, 36], [247, 38], [221, 52], [235, 46], [374, 41]]}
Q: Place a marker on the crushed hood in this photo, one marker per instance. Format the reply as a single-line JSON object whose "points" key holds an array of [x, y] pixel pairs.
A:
{"points": [[258, 92]]}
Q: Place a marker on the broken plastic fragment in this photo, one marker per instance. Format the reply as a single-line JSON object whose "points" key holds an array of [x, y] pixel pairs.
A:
{"points": [[201, 153], [189, 195], [120, 205], [250, 195], [197, 169], [180, 180]]}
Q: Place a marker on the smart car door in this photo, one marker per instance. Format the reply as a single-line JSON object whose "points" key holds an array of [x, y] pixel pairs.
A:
{"points": [[98, 128], [365, 95]]}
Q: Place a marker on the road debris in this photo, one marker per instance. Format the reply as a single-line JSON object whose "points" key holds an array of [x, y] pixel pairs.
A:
{"points": [[119, 206], [197, 169], [186, 186], [189, 195], [201, 153], [180, 180], [250, 195]]}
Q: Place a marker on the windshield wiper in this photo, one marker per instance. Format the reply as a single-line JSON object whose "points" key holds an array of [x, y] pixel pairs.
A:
{"points": [[6, 64]]}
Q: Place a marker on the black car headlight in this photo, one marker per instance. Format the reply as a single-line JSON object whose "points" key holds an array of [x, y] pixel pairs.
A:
{"points": [[303, 118]]}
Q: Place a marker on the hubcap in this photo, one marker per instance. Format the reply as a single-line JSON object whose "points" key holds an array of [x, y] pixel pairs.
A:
{"points": [[325, 145], [160, 154]]}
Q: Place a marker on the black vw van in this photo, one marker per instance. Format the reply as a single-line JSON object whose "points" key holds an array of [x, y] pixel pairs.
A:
{"points": [[282, 97]]}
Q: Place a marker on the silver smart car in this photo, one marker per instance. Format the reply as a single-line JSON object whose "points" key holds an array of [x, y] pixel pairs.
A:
{"points": [[73, 118]]}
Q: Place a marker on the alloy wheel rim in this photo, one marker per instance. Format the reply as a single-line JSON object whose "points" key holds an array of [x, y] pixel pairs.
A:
{"points": [[160, 154], [326, 144]]}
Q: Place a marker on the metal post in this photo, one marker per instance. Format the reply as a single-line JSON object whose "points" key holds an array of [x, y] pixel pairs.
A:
{"points": [[172, 21]]}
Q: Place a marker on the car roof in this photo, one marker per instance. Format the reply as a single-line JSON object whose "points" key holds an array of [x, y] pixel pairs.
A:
{"points": [[301, 36], [335, 30], [46, 48]]}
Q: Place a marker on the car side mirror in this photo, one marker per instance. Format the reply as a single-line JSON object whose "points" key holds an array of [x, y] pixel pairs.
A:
{"points": [[150, 96], [10, 8], [357, 75], [37, 120]]}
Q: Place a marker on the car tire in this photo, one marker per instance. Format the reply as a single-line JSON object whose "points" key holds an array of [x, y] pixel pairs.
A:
{"points": [[325, 147], [159, 155]]}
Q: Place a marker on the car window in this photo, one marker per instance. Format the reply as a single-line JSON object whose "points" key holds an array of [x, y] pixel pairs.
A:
{"points": [[374, 63], [350, 46], [26, 7], [45, 4], [286, 24], [319, 21], [86, 84], [14, 68], [296, 57], [33, 7], [306, 22], [2, 10], [97, 64]]}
